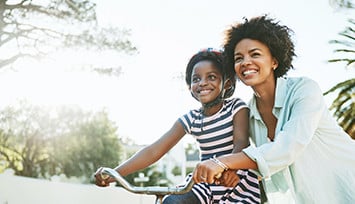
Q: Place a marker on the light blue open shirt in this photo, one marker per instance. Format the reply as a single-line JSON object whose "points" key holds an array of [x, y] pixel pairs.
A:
{"points": [[311, 157]]}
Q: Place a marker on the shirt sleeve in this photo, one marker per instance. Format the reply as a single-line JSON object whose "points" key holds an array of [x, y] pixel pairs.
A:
{"points": [[297, 124], [238, 104], [186, 122]]}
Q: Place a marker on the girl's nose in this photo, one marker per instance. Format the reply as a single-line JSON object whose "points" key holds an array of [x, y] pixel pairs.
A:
{"points": [[203, 82]]}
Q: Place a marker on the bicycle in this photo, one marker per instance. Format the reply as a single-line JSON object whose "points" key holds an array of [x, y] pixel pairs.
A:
{"points": [[158, 191]]}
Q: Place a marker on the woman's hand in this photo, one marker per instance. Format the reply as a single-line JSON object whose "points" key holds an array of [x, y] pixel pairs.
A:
{"points": [[207, 171], [101, 179]]}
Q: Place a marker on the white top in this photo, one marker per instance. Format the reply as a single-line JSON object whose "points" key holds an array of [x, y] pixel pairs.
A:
{"points": [[311, 158]]}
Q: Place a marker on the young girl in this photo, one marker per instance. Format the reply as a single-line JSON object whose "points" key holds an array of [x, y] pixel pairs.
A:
{"points": [[300, 151], [220, 127]]}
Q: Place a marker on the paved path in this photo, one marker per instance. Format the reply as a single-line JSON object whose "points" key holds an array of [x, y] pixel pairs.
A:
{"points": [[20, 190]]}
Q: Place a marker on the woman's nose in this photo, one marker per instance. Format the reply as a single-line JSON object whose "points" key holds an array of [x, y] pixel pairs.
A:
{"points": [[246, 61]]}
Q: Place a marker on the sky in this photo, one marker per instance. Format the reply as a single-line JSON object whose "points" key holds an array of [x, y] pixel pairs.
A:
{"points": [[149, 95]]}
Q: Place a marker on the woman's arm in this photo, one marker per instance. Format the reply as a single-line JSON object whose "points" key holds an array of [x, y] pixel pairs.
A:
{"points": [[303, 112], [210, 170]]}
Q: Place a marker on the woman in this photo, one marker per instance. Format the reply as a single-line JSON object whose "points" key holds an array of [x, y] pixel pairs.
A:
{"points": [[299, 151]]}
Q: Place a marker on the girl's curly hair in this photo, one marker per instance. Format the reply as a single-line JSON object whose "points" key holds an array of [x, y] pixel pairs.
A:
{"points": [[268, 31]]}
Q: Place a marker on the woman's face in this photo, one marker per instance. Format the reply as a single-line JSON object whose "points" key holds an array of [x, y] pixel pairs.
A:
{"points": [[253, 62], [206, 82]]}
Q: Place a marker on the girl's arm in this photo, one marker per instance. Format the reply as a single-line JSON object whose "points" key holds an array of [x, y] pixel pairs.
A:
{"points": [[146, 156], [241, 130], [240, 140], [152, 153]]}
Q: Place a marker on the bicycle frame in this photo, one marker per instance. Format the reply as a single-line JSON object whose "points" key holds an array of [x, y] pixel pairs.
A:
{"points": [[158, 191]]}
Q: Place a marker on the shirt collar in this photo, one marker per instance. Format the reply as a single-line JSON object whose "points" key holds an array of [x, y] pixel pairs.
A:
{"points": [[280, 94]]}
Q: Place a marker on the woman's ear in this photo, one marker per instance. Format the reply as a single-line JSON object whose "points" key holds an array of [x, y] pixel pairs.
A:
{"points": [[275, 63]]}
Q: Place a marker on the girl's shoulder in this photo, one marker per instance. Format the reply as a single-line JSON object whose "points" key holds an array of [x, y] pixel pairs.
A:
{"points": [[234, 100], [234, 104]]}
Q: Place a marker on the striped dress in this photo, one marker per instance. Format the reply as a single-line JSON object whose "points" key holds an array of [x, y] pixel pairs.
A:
{"points": [[214, 135]]}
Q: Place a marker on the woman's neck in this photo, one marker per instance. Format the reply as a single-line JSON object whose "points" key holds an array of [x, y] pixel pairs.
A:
{"points": [[265, 93]]}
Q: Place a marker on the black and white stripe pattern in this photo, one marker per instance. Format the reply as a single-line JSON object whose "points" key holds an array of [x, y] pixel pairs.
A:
{"points": [[214, 135]]}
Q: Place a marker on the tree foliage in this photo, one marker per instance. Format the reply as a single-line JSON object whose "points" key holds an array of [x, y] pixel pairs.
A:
{"points": [[42, 142], [344, 105], [34, 28], [346, 45], [24, 141], [347, 4]]}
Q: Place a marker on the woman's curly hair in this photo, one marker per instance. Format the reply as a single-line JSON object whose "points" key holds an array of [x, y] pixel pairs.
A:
{"points": [[217, 58], [268, 31]]}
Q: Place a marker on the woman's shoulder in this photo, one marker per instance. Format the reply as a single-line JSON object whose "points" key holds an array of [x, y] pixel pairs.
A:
{"points": [[301, 82], [302, 86]]}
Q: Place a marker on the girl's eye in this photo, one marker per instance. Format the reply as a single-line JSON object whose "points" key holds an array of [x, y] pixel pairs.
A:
{"points": [[195, 79], [212, 77]]}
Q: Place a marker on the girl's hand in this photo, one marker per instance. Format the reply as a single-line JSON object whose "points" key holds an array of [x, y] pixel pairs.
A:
{"points": [[229, 178], [208, 172], [102, 180]]}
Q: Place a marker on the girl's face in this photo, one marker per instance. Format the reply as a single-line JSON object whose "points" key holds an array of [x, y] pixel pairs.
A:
{"points": [[253, 62], [206, 82]]}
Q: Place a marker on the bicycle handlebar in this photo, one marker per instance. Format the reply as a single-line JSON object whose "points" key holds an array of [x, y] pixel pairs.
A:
{"points": [[149, 190]]}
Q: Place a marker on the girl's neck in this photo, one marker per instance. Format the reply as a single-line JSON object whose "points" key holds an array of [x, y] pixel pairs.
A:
{"points": [[208, 111]]}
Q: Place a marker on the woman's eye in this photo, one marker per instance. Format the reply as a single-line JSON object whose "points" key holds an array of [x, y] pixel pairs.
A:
{"points": [[237, 59], [255, 54]]}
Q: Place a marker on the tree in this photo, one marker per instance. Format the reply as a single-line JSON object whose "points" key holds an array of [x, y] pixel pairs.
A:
{"points": [[24, 142], [42, 142], [90, 142], [33, 28], [343, 106]]}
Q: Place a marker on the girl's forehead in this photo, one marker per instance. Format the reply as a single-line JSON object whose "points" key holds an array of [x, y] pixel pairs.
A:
{"points": [[205, 66]]}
